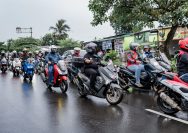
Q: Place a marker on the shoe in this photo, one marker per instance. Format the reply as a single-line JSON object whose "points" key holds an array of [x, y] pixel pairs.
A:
{"points": [[139, 85]]}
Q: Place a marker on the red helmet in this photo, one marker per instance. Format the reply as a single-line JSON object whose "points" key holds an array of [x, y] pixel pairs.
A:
{"points": [[183, 44]]}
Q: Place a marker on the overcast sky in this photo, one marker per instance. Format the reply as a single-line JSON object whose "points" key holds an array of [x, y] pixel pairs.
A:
{"points": [[41, 14]]}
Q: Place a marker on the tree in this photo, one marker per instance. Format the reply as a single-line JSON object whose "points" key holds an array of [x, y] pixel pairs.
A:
{"points": [[27, 42], [9, 44], [60, 30], [48, 39], [133, 15], [69, 43]]}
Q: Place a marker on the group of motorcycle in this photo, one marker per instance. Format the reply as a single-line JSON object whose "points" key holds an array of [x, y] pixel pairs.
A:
{"points": [[171, 90], [112, 81]]}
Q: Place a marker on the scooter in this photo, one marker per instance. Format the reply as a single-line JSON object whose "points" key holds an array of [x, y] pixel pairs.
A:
{"points": [[40, 67], [28, 69], [60, 76], [127, 77], [16, 67], [173, 94], [106, 85], [4, 65]]}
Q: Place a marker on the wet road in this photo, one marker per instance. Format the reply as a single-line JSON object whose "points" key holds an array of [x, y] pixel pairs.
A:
{"points": [[30, 108]]}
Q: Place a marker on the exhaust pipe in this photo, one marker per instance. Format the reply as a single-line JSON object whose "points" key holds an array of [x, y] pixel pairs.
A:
{"points": [[170, 101]]}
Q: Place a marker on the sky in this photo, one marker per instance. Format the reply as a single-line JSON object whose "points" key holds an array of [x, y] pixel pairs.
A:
{"points": [[41, 14]]}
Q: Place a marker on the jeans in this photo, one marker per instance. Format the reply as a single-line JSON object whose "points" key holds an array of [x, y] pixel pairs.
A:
{"points": [[184, 77], [137, 69], [50, 74]]}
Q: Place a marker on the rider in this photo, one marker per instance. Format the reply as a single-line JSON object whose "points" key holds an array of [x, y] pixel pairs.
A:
{"points": [[134, 64], [182, 60], [76, 52], [51, 58], [3, 54], [147, 53], [14, 55], [90, 63]]}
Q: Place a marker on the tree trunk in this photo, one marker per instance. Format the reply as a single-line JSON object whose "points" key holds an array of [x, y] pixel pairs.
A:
{"points": [[169, 39]]}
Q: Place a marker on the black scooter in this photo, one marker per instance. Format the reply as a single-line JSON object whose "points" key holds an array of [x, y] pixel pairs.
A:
{"points": [[148, 78], [106, 85]]}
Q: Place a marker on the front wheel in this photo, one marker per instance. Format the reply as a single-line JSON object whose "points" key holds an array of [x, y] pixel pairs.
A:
{"points": [[114, 94], [64, 86]]}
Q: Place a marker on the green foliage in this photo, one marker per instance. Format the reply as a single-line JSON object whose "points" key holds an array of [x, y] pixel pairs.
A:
{"points": [[60, 30], [132, 15], [113, 55], [21, 43], [48, 39], [68, 43], [2, 46]]}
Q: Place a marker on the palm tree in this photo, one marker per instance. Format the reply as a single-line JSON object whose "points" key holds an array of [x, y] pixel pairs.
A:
{"points": [[60, 30]]}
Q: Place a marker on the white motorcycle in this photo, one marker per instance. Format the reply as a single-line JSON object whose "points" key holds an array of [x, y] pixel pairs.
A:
{"points": [[16, 67]]}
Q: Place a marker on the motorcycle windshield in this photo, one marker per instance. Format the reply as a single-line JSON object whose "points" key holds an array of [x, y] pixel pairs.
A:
{"points": [[164, 58], [155, 64], [62, 66]]}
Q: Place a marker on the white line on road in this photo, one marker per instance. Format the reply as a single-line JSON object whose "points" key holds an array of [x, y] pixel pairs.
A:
{"points": [[167, 116]]}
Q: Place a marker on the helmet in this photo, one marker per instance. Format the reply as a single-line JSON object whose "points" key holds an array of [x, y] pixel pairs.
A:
{"points": [[77, 49], [2, 52], [30, 53], [14, 52], [133, 45], [53, 48], [146, 46], [91, 47], [25, 49], [36, 52], [183, 44]]}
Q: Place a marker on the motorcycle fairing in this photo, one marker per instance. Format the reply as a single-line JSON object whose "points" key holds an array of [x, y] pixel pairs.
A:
{"points": [[176, 87]]}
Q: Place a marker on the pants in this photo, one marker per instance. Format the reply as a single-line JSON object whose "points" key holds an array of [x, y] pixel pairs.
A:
{"points": [[137, 69], [50, 74], [184, 77], [92, 73]]}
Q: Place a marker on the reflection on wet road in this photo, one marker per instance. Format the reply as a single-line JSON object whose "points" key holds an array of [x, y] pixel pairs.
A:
{"points": [[30, 108]]}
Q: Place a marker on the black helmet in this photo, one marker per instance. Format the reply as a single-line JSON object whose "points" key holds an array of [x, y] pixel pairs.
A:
{"points": [[91, 48], [133, 45]]}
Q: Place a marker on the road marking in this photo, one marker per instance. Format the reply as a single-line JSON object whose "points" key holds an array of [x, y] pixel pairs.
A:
{"points": [[167, 116]]}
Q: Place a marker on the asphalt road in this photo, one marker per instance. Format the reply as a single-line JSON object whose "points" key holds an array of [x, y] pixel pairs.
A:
{"points": [[31, 108]]}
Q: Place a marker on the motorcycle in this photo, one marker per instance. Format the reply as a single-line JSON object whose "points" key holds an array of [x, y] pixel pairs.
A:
{"points": [[4, 65], [173, 94], [60, 76], [28, 69], [127, 77], [16, 67], [40, 66], [106, 85]]}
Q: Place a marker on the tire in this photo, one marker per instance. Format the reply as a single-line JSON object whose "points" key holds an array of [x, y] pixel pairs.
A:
{"points": [[114, 94], [30, 78], [64, 86], [165, 107]]}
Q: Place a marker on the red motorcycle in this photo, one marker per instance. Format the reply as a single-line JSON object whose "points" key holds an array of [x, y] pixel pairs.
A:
{"points": [[173, 94], [60, 76]]}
